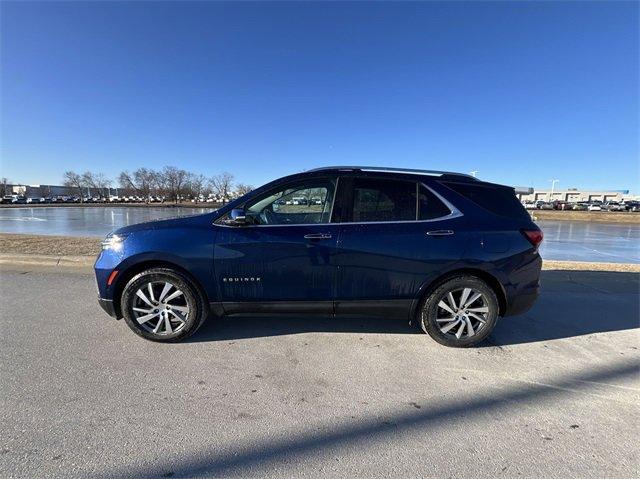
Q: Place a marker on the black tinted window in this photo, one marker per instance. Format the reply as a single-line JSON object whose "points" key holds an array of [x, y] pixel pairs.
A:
{"points": [[430, 206], [383, 200], [500, 200]]}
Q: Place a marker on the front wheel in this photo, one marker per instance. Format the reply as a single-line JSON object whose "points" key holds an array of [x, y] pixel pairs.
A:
{"points": [[460, 312], [163, 305]]}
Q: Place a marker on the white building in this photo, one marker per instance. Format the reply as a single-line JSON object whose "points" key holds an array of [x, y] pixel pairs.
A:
{"points": [[575, 195]]}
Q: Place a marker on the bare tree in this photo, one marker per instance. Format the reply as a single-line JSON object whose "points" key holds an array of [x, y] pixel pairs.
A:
{"points": [[96, 181], [89, 181], [197, 185], [102, 183], [141, 181], [222, 185], [74, 181], [173, 181], [242, 189]]}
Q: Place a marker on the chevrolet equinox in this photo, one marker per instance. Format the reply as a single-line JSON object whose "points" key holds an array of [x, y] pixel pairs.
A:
{"points": [[443, 250]]}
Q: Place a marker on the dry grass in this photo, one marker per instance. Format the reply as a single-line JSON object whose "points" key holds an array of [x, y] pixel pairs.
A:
{"points": [[592, 216], [591, 266], [49, 245]]}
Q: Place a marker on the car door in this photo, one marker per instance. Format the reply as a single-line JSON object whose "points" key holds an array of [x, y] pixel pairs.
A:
{"points": [[283, 260], [396, 236]]}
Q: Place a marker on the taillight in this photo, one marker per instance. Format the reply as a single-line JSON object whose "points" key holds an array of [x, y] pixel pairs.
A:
{"points": [[534, 236]]}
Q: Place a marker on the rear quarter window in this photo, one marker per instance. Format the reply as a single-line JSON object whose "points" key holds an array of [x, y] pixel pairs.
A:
{"points": [[499, 200], [429, 206]]}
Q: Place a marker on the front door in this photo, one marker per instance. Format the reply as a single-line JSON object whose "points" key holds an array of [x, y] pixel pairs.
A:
{"points": [[283, 260]]}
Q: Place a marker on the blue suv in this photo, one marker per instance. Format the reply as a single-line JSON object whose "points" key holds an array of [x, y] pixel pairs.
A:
{"points": [[444, 250]]}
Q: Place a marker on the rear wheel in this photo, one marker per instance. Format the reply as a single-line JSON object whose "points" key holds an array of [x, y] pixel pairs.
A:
{"points": [[461, 312], [163, 305]]}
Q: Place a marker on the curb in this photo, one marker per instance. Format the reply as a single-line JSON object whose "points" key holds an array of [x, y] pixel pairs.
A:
{"points": [[75, 262], [46, 260], [587, 266]]}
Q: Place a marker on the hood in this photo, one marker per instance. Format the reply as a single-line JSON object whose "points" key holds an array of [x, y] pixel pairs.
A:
{"points": [[165, 223]]}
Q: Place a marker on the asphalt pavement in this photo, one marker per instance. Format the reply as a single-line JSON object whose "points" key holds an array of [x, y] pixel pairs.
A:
{"points": [[553, 393]]}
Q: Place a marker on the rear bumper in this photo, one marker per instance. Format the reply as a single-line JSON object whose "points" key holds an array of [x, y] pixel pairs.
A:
{"points": [[522, 302], [107, 305], [524, 287]]}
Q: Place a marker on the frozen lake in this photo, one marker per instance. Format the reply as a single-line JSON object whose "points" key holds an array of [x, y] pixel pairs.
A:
{"points": [[584, 241], [564, 240], [83, 221]]}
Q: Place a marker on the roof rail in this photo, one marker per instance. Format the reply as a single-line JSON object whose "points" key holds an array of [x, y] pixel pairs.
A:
{"points": [[392, 170]]}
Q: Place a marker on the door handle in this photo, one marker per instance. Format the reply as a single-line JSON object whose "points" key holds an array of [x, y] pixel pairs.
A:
{"points": [[317, 236], [440, 233]]}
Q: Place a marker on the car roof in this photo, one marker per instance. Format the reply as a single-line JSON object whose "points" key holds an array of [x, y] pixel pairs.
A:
{"points": [[384, 169]]}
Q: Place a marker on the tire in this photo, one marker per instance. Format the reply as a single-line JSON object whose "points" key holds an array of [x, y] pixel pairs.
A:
{"points": [[457, 332], [162, 313]]}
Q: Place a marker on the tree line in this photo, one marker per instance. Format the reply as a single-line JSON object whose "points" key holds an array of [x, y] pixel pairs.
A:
{"points": [[172, 183]]}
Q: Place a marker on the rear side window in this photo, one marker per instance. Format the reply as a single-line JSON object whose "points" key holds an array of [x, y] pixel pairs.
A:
{"points": [[383, 200], [499, 200], [430, 206]]}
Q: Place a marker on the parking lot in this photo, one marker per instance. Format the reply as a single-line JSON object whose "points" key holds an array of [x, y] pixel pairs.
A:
{"points": [[554, 393]]}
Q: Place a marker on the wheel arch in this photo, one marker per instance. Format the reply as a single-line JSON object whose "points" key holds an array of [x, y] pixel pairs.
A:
{"points": [[125, 276], [488, 278]]}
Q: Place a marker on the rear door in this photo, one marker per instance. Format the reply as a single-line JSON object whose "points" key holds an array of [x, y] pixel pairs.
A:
{"points": [[395, 236]]}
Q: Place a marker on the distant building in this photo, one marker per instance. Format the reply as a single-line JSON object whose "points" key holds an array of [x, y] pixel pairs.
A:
{"points": [[575, 195], [52, 191]]}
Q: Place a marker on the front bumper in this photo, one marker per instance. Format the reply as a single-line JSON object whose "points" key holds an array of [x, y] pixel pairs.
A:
{"points": [[107, 305]]}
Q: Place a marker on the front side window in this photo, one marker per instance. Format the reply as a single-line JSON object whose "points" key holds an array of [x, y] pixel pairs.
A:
{"points": [[307, 202], [383, 200]]}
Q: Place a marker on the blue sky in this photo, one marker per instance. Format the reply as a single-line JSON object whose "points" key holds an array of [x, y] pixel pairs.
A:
{"points": [[522, 92]]}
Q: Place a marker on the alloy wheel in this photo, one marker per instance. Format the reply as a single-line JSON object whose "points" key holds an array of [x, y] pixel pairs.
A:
{"points": [[461, 313], [160, 308]]}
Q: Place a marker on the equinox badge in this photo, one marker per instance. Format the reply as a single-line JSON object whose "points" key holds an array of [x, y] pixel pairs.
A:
{"points": [[243, 279]]}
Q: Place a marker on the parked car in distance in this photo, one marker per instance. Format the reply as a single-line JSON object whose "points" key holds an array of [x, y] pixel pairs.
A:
{"points": [[631, 205], [594, 207], [561, 205], [579, 206], [613, 206], [529, 205], [545, 205], [8, 199], [443, 250]]}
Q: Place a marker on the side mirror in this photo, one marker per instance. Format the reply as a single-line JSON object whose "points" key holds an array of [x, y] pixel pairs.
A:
{"points": [[237, 217]]}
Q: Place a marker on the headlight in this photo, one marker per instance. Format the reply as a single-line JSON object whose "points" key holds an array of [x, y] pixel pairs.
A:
{"points": [[113, 242]]}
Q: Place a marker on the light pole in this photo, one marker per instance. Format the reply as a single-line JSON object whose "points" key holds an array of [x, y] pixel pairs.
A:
{"points": [[553, 183], [473, 173]]}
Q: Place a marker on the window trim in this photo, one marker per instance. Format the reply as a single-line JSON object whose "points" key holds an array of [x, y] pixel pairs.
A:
{"points": [[455, 213]]}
